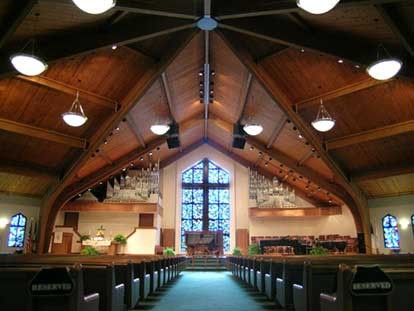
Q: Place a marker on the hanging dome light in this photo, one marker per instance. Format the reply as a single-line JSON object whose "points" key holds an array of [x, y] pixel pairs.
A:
{"points": [[323, 121], [95, 6], [384, 69], [317, 6], [75, 116], [253, 129], [26, 62], [160, 128]]}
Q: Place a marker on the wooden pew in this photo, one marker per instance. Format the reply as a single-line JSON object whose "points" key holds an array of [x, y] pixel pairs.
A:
{"points": [[275, 271], [14, 293]]}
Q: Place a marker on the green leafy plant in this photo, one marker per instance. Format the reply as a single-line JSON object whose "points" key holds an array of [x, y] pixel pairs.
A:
{"points": [[169, 251], [254, 249], [89, 251], [120, 238], [84, 237], [237, 252], [318, 251]]}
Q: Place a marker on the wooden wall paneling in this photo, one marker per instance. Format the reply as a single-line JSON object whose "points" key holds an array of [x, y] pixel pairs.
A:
{"points": [[168, 238], [65, 247], [294, 212], [242, 240], [71, 220], [88, 206], [146, 220]]}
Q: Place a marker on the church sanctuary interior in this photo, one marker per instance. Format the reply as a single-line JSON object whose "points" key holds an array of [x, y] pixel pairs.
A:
{"points": [[206, 155]]}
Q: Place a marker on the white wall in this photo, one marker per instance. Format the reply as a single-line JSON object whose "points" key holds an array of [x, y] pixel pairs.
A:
{"points": [[239, 183], [400, 207], [11, 205]]}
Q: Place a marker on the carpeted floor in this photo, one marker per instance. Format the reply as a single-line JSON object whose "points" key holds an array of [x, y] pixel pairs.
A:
{"points": [[205, 291]]}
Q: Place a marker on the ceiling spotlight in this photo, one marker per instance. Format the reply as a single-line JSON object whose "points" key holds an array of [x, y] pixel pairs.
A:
{"points": [[160, 128], [317, 6], [114, 47], [300, 136], [253, 129], [341, 61], [75, 116], [95, 6], [26, 62], [323, 122], [384, 69], [141, 159]]}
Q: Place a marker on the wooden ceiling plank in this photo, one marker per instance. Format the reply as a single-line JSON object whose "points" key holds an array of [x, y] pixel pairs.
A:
{"points": [[342, 91], [244, 96], [383, 173], [37, 132], [28, 169], [167, 92], [277, 131], [181, 153], [135, 129], [288, 6], [374, 134], [61, 193], [105, 157], [305, 158], [399, 30], [23, 9], [71, 90]]}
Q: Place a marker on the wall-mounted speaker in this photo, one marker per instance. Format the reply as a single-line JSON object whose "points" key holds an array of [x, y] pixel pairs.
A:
{"points": [[173, 139], [239, 140]]}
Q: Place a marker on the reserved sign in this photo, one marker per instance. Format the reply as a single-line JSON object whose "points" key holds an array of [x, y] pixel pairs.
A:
{"points": [[52, 282], [370, 281]]}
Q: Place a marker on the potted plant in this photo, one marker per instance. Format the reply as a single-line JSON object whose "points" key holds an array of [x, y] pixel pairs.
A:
{"points": [[120, 241], [254, 249], [318, 251], [237, 252], [169, 251], [89, 251]]}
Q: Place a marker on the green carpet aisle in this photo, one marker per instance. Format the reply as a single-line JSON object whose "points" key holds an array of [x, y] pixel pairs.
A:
{"points": [[205, 291]]}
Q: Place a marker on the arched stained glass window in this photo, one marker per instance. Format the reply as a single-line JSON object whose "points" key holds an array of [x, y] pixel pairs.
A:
{"points": [[391, 234], [205, 201], [412, 220], [17, 231]]}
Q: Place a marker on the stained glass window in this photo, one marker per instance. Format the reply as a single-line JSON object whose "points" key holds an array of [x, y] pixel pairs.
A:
{"points": [[412, 220], [17, 231], [205, 200], [391, 234]]}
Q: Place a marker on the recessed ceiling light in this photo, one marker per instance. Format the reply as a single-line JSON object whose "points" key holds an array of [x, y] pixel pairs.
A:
{"points": [[384, 69], [323, 122], [159, 128], [95, 6], [341, 61], [253, 129], [317, 6]]}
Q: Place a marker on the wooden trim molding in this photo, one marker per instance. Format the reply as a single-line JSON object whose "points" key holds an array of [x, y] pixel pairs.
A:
{"points": [[87, 206], [258, 212]]}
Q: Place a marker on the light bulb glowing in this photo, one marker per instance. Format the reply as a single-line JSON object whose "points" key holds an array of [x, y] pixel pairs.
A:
{"points": [[74, 119], [317, 6], [323, 125], [384, 69], [95, 6], [3, 223], [160, 129], [253, 129], [27, 64]]}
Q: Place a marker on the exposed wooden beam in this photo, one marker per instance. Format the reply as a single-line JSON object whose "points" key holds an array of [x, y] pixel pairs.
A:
{"points": [[37, 132], [243, 97], [135, 129], [182, 153], [270, 54], [342, 91], [105, 157], [394, 23], [374, 134], [28, 169], [276, 132], [347, 192], [71, 90], [167, 91], [305, 158], [123, 33], [20, 12], [383, 173], [61, 193], [288, 7]]}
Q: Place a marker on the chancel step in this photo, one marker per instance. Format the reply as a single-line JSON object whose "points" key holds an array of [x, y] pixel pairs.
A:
{"points": [[206, 263]]}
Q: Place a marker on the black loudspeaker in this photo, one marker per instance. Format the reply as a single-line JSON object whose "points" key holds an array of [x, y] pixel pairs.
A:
{"points": [[239, 141], [173, 139], [361, 243]]}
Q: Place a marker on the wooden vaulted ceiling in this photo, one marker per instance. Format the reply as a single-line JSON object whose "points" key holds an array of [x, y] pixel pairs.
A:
{"points": [[273, 62]]}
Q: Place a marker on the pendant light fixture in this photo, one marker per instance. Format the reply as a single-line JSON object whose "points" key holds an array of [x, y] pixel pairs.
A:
{"points": [[75, 116], [95, 6], [26, 62], [323, 122], [160, 128], [253, 129], [317, 6], [384, 68]]}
